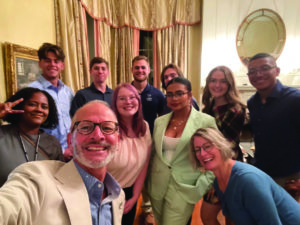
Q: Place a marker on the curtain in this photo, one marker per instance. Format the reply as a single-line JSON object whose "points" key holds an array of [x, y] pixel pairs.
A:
{"points": [[116, 32], [116, 46], [144, 14], [72, 37], [116, 28], [171, 46]]}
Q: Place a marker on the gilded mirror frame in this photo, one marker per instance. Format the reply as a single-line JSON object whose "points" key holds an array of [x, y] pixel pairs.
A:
{"points": [[268, 27]]}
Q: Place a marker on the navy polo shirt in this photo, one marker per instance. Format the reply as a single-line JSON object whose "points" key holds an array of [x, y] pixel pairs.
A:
{"points": [[276, 128], [153, 102], [89, 94]]}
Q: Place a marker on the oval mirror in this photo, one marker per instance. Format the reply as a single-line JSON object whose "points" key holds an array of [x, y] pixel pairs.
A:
{"points": [[261, 31]]}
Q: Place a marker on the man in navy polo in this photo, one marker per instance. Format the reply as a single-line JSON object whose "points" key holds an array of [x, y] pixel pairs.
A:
{"points": [[275, 120], [98, 90], [153, 102], [152, 98]]}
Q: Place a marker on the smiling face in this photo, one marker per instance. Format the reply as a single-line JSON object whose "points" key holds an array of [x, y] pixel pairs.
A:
{"points": [[36, 110], [181, 98], [99, 73], [169, 75], [263, 81], [127, 103], [51, 66], [218, 85], [96, 149], [140, 70], [208, 155]]}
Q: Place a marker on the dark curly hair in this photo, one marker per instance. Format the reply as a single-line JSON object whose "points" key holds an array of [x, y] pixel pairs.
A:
{"points": [[26, 93]]}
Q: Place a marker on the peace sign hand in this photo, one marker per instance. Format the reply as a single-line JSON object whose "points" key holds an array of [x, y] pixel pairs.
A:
{"points": [[6, 108]]}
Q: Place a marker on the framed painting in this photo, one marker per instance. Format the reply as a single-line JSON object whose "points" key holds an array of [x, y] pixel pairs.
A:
{"points": [[21, 67]]}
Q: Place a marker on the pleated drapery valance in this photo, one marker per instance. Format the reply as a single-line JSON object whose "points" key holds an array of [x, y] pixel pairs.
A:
{"points": [[144, 14]]}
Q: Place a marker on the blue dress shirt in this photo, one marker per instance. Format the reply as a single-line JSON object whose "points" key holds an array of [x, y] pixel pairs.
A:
{"points": [[62, 96], [101, 210]]}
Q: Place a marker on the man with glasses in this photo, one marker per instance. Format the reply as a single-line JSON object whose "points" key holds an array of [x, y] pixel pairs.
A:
{"points": [[78, 192], [275, 121]]}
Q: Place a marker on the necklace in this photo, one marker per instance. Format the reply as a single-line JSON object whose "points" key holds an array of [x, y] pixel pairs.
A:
{"points": [[24, 149], [177, 124]]}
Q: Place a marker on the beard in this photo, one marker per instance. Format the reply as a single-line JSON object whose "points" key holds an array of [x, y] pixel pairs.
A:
{"points": [[140, 80], [90, 163]]}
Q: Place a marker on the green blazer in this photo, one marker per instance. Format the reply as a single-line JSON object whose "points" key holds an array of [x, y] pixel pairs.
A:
{"points": [[190, 183]]}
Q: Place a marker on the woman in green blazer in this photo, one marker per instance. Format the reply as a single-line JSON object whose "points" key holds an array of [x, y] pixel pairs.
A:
{"points": [[173, 184]]}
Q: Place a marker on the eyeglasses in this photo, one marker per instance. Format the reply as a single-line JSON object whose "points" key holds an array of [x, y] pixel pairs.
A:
{"points": [[87, 127], [177, 94], [207, 147], [263, 69], [126, 98]]}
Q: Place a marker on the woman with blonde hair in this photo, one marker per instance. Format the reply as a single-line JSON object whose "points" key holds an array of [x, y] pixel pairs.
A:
{"points": [[247, 195]]}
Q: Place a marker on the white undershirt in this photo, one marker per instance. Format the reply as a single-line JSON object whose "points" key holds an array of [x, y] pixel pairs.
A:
{"points": [[169, 147]]}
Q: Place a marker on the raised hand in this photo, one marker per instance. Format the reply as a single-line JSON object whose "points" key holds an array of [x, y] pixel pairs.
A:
{"points": [[6, 108]]}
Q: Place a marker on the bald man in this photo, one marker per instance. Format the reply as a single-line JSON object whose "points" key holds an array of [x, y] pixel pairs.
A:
{"points": [[78, 192]]}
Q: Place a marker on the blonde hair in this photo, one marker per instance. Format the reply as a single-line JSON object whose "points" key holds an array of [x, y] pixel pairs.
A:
{"points": [[215, 137]]}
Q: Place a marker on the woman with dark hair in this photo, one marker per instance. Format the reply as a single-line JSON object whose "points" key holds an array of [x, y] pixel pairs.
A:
{"points": [[247, 194], [23, 140], [129, 165], [168, 73], [173, 185]]}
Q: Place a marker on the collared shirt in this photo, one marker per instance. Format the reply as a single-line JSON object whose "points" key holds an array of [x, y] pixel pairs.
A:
{"points": [[276, 128], [101, 210], [88, 94], [62, 96], [153, 102]]}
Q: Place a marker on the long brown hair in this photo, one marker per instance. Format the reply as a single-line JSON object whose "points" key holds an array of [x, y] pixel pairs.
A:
{"points": [[232, 95], [138, 126]]}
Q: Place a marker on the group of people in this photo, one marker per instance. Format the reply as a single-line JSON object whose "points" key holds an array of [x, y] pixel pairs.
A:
{"points": [[131, 140]]}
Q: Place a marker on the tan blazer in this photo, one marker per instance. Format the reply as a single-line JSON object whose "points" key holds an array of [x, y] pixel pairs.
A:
{"points": [[49, 193]]}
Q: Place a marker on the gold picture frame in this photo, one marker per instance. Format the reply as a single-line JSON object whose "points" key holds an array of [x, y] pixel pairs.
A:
{"points": [[21, 67]]}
